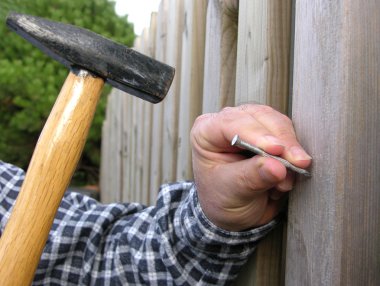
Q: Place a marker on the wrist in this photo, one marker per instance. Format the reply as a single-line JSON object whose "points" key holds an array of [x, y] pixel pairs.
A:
{"points": [[233, 215]]}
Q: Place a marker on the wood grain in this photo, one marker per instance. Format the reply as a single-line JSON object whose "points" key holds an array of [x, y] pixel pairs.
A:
{"points": [[262, 76], [53, 163], [334, 218], [126, 147], [193, 41], [220, 55], [263, 52], [157, 116], [104, 160], [150, 50], [171, 103], [138, 108]]}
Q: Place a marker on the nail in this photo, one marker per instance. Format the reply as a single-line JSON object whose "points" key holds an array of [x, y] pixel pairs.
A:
{"points": [[236, 141]]}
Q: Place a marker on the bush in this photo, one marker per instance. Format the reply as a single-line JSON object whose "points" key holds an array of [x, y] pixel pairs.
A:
{"points": [[30, 81]]}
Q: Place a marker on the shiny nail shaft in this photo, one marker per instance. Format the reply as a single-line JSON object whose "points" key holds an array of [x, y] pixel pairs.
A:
{"points": [[236, 141]]}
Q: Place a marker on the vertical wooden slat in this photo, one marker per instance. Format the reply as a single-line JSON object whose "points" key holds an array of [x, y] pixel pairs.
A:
{"points": [[156, 151], [129, 145], [220, 55], [150, 48], [126, 152], [193, 41], [140, 194], [115, 147], [104, 159], [171, 102], [334, 217], [118, 145], [133, 139], [262, 76], [263, 52]]}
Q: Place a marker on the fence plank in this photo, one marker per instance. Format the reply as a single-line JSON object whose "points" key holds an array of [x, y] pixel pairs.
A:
{"points": [[126, 195], [193, 41], [141, 194], [147, 140], [171, 102], [264, 34], [111, 160], [262, 76], [220, 55], [104, 160], [334, 218], [156, 151]]}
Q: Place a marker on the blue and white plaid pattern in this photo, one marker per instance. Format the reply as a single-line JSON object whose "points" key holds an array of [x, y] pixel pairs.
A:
{"points": [[172, 243]]}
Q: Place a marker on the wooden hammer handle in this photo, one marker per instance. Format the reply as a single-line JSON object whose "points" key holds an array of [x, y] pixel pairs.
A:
{"points": [[53, 163]]}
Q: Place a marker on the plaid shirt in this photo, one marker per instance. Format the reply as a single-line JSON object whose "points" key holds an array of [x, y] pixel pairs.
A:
{"points": [[172, 243]]}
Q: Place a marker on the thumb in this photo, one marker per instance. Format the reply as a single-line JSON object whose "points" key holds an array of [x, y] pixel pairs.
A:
{"points": [[254, 174]]}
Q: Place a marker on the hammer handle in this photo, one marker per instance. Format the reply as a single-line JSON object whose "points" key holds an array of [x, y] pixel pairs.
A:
{"points": [[53, 163]]}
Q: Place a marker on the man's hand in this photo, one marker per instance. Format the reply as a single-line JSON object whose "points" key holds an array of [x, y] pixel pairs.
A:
{"points": [[237, 192]]}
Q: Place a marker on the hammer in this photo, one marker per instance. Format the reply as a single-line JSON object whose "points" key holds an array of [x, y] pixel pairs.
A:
{"points": [[92, 60]]}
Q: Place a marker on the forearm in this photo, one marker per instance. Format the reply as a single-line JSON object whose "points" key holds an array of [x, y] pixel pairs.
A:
{"points": [[172, 243], [190, 247]]}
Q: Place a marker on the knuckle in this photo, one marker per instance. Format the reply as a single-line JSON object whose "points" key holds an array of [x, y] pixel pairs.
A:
{"points": [[200, 119], [200, 126], [227, 114], [264, 109], [286, 119], [284, 132], [226, 109]]}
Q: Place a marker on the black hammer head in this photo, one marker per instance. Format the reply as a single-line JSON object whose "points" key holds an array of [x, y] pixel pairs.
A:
{"points": [[120, 66]]}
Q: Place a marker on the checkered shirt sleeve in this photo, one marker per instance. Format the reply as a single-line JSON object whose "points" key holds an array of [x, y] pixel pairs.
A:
{"points": [[172, 243]]}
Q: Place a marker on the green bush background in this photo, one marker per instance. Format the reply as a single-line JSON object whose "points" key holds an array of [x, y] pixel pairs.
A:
{"points": [[30, 81]]}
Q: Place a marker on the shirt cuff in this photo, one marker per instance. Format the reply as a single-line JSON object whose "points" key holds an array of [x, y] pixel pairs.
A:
{"points": [[205, 236]]}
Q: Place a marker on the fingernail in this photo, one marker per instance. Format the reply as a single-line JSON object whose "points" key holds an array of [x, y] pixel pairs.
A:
{"points": [[299, 154]]}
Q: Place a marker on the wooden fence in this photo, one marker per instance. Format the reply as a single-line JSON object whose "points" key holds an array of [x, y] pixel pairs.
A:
{"points": [[319, 62]]}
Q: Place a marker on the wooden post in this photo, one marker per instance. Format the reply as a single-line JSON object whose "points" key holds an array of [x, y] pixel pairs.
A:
{"points": [[104, 160], [141, 195], [334, 217], [126, 148], [220, 55], [157, 116], [175, 20], [263, 77], [133, 176], [193, 40], [150, 49]]}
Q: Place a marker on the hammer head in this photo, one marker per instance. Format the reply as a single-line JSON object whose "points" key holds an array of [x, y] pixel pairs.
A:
{"points": [[120, 66]]}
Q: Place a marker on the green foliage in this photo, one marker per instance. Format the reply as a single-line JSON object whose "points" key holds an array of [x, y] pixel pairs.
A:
{"points": [[30, 81]]}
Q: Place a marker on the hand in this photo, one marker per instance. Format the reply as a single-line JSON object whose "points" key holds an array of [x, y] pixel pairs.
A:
{"points": [[236, 192]]}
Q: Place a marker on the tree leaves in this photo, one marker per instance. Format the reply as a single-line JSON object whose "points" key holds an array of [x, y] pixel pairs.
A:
{"points": [[30, 81]]}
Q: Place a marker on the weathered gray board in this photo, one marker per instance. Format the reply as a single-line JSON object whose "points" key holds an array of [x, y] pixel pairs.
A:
{"points": [[175, 21], [157, 116], [334, 217], [190, 106], [262, 76], [220, 55]]}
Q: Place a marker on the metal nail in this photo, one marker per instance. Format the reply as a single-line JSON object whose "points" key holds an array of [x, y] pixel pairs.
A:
{"points": [[236, 141]]}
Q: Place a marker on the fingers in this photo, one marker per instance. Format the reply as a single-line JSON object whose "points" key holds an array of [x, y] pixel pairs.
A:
{"points": [[237, 192], [256, 124], [214, 132], [250, 176], [281, 127]]}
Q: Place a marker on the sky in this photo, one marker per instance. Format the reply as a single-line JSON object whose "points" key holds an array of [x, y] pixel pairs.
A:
{"points": [[138, 11]]}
